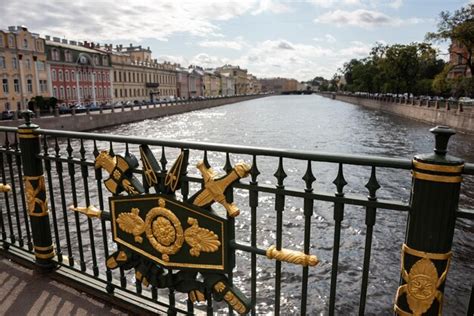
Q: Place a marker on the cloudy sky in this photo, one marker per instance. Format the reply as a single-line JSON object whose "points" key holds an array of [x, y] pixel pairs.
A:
{"points": [[287, 38]]}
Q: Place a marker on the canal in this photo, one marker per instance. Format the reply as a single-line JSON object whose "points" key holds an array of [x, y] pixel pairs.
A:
{"points": [[315, 123]]}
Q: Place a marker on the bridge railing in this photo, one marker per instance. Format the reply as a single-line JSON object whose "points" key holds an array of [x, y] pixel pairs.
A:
{"points": [[285, 220]]}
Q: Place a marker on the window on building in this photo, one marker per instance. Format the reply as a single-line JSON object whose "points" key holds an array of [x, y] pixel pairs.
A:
{"points": [[25, 43], [120, 76], [5, 85], [73, 75], [460, 59], [68, 93], [43, 85], [115, 93], [129, 77], [120, 92], [61, 93], [28, 63], [81, 93], [66, 75], [68, 56], [94, 75], [14, 63], [73, 93], [53, 75], [100, 92], [99, 77], [60, 75], [10, 41], [2, 62], [55, 92], [29, 85], [126, 92], [40, 65], [104, 61], [1, 41], [39, 45], [55, 54], [16, 85]]}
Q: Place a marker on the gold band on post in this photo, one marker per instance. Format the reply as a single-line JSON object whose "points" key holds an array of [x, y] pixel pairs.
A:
{"points": [[47, 248], [436, 178], [292, 256], [427, 255], [44, 255], [438, 168]]}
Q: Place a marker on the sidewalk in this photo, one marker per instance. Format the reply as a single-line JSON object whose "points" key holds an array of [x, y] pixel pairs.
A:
{"points": [[25, 292]]}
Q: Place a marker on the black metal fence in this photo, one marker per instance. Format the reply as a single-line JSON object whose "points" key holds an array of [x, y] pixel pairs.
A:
{"points": [[82, 244]]}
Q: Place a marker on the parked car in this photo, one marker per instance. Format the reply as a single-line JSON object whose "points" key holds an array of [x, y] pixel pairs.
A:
{"points": [[466, 101], [79, 108], [7, 115], [64, 109]]}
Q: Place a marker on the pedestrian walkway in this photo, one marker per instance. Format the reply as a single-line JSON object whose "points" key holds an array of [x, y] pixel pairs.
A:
{"points": [[26, 292]]}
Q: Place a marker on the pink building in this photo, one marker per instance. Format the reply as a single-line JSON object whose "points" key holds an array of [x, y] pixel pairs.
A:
{"points": [[78, 72]]}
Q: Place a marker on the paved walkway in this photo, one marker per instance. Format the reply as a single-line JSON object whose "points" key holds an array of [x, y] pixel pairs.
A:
{"points": [[25, 292]]}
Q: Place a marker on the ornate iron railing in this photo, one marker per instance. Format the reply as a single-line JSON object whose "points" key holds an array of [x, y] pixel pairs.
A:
{"points": [[53, 235]]}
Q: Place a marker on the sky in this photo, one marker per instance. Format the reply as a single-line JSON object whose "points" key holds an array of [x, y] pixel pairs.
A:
{"points": [[297, 39]]}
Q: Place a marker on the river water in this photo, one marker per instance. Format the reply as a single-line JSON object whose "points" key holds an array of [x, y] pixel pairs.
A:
{"points": [[319, 124]]}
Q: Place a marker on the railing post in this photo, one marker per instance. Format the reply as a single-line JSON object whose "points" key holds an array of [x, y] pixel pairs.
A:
{"points": [[35, 192], [426, 254]]}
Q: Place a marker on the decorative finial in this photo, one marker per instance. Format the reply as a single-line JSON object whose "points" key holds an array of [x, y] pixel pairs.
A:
{"points": [[442, 135], [27, 116]]}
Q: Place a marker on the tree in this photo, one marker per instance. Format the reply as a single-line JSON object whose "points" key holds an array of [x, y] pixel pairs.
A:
{"points": [[458, 27]]}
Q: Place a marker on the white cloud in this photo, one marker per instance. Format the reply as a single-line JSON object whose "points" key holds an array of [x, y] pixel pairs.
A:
{"points": [[363, 18], [326, 38], [271, 6], [108, 20], [236, 44], [396, 4], [332, 3], [356, 50]]}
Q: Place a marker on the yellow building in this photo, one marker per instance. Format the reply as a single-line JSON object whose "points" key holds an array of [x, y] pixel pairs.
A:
{"points": [[136, 75], [212, 83], [22, 68], [239, 75]]}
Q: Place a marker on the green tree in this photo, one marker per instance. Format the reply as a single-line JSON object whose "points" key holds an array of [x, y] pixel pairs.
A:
{"points": [[459, 27]]}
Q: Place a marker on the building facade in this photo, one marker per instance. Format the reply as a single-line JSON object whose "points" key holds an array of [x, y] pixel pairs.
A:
{"points": [[227, 85], [458, 59], [137, 77], [22, 68], [239, 75], [212, 83], [182, 82], [79, 74], [195, 81]]}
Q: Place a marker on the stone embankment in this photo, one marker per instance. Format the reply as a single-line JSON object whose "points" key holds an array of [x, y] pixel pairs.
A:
{"points": [[121, 115], [448, 113]]}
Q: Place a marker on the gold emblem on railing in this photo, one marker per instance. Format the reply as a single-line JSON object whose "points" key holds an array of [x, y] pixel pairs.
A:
{"points": [[165, 233], [90, 211], [214, 188], [422, 282], [231, 298], [200, 239], [35, 195]]}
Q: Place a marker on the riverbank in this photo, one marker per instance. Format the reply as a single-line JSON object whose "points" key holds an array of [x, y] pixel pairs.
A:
{"points": [[434, 112], [111, 117]]}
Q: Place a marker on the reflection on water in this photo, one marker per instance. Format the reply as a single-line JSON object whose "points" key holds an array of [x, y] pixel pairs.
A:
{"points": [[317, 124]]}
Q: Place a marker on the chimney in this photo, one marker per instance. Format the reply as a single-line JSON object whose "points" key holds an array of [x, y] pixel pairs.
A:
{"points": [[64, 41], [12, 28], [86, 44], [47, 37], [72, 43], [131, 45], [57, 39]]}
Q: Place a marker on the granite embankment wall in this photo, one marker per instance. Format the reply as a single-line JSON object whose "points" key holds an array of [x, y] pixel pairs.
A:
{"points": [[96, 120], [452, 114]]}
